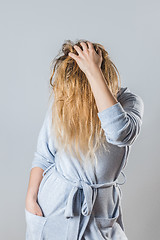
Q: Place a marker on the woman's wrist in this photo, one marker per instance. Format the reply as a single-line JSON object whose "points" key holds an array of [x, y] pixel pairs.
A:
{"points": [[31, 196], [93, 72]]}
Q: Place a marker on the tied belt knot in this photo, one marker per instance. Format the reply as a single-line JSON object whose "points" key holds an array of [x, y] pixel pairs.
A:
{"points": [[90, 193]]}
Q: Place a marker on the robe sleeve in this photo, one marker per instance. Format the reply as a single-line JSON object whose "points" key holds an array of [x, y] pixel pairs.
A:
{"points": [[45, 152], [122, 121]]}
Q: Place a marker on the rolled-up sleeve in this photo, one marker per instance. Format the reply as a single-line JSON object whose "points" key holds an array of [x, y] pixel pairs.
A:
{"points": [[122, 121], [45, 152]]}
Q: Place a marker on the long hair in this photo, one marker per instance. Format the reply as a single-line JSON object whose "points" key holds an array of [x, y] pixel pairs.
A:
{"points": [[75, 123]]}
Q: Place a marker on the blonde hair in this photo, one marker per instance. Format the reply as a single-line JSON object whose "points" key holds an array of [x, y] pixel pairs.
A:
{"points": [[75, 123]]}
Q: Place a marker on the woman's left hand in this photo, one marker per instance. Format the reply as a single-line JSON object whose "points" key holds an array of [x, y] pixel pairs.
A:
{"points": [[87, 59]]}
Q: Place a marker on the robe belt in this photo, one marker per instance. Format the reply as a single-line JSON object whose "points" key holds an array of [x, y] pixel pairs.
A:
{"points": [[74, 208]]}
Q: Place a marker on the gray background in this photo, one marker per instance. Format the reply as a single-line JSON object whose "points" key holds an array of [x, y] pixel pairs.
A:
{"points": [[32, 33]]}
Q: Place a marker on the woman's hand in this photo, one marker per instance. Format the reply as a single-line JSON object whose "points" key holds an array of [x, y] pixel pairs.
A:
{"points": [[33, 207], [87, 59]]}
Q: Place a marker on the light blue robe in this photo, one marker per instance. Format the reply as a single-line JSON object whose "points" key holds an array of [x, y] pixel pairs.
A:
{"points": [[85, 203]]}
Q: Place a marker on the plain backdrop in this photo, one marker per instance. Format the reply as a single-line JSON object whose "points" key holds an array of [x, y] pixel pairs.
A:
{"points": [[31, 34]]}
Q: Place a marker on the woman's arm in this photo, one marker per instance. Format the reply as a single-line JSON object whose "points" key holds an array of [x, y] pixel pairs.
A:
{"points": [[43, 157], [122, 120], [103, 96]]}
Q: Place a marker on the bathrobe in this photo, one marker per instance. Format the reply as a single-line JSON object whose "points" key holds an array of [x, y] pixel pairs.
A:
{"points": [[82, 202]]}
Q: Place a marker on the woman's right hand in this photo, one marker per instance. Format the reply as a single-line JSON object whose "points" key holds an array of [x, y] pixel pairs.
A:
{"points": [[33, 207]]}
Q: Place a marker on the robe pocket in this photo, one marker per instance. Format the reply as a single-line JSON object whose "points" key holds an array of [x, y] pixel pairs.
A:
{"points": [[35, 225], [104, 226]]}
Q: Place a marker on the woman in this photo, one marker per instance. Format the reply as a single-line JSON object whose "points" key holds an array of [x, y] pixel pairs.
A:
{"points": [[83, 145]]}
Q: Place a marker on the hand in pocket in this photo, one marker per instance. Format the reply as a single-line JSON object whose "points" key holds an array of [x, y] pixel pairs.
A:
{"points": [[33, 207]]}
